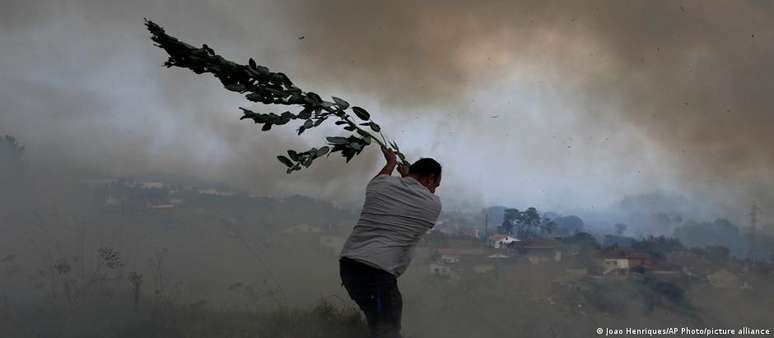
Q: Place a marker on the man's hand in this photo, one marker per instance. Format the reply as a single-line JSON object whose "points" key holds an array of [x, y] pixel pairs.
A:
{"points": [[389, 156], [391, 159], [403, 170]]}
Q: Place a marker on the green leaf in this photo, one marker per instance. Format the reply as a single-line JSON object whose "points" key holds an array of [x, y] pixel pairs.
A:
{"points": [[297, 166], [259, 84], [338, 147], [305, 114], [314, 97], [355, 145], [286, 161], [322, 151], [361, 113], [341, 103], [236, 87], [337, 140], [255, 97]]}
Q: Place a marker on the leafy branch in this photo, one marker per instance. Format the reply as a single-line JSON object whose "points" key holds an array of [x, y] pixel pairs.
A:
{"points": [[259, 84]]}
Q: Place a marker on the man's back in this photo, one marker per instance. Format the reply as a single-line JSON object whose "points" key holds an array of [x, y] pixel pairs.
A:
{"points": [[396, 213]]}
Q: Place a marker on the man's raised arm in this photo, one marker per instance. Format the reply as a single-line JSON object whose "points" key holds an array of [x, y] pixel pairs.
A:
{"points": [[390, 158]]}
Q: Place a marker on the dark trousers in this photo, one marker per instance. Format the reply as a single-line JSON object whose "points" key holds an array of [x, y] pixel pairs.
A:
{"points": [[376, 293]]}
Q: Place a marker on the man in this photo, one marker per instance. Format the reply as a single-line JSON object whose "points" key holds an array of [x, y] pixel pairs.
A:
{"points": [[396, 213]]}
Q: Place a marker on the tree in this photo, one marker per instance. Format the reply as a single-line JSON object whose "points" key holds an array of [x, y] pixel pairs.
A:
{"points": [[720, 232], [259, 84], [528, 223], [660, 246], [509, 216], [620, 229], [566, 225]]}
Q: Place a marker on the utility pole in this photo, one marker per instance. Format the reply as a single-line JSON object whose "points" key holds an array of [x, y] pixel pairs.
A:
{"points": [[753, 231], [486, 224]]}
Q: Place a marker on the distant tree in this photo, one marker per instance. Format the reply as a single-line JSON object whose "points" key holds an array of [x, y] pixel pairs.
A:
{"points": [[509, 217], [584, 239], [531, 225], [717, 254], [659, 246], [720, 232], [620, 229], [567, 225], [527, 224]]}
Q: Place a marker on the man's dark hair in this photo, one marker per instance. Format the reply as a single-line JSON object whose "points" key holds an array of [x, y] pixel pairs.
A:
{"points": [[425, 167]]}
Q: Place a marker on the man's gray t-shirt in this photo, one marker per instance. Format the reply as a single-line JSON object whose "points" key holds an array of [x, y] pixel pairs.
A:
{"points": [[396, 213]]}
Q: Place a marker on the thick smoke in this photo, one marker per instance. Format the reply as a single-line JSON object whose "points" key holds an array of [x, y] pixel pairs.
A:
{"points": [[561, 105]]}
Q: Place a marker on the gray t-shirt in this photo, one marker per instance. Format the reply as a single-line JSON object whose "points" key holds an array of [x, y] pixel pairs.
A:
{"points": [[396, 213]]}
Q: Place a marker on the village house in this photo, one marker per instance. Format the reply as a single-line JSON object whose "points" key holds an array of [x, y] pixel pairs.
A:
{"points": [[691, 263], [619, 266], [499, 241], [539, 251], [619, 261]]}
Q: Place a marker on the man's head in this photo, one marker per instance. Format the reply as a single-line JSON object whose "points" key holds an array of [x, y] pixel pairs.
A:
{"points": [[428, 172]]}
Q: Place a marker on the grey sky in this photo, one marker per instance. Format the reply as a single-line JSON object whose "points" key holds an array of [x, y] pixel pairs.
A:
{"points": [[563, 105]]}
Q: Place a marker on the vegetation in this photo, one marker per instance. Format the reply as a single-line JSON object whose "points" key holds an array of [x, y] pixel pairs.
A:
{"points": [[657, 246], [528, 224], [259, 84]]}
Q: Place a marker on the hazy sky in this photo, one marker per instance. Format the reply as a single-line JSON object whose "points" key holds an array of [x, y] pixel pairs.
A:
{"points": [[564, 105]]}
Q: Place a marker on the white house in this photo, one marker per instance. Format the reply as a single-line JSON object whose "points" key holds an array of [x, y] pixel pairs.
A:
{"points": [[617, 265], [501, 241]]}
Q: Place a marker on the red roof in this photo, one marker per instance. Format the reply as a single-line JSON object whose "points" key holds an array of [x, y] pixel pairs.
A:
{"points": [[498, 237], [540, 244]]}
